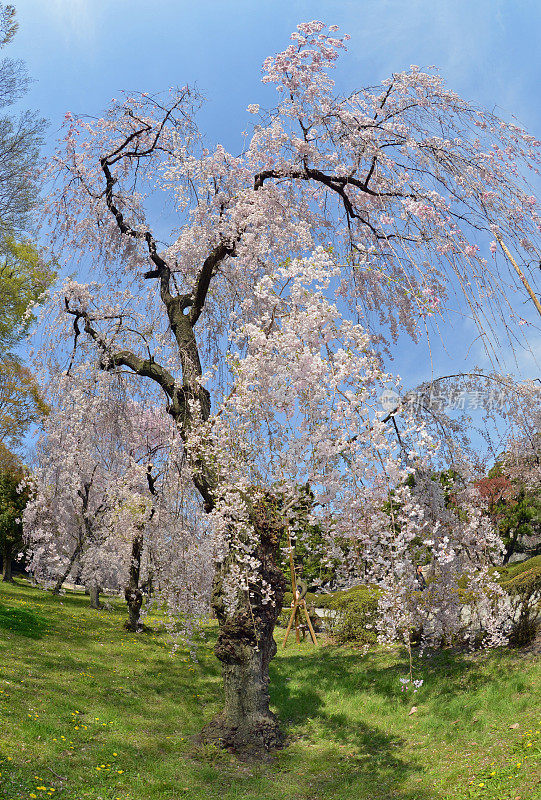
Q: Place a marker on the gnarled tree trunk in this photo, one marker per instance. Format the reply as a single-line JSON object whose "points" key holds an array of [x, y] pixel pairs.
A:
{"points": [[245, 648]]}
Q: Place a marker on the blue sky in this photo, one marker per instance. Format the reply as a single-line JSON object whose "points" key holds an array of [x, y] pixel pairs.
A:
{"points": [[82, 52]]}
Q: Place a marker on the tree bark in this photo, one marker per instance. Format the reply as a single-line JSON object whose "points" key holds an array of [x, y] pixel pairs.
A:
{"points": [[510, 549], [6, 567], [245, 648], [133, 592], [94, 591]]}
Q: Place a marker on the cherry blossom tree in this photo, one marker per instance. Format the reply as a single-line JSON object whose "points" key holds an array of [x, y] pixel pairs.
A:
{"points": [[93, 490], [181, 552], [292, 270]]}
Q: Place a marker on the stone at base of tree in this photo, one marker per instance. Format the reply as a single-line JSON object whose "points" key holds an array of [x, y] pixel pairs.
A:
{"points": [[253, 742]]}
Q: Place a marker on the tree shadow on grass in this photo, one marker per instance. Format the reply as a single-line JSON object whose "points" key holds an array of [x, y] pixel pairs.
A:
{"points": [[19, 620], [343, 756], [347, 746], [445, 673]]}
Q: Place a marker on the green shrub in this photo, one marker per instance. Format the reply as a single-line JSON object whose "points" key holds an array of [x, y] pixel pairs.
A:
{"points": [[356, 614], [511, 571], [354, 620]]}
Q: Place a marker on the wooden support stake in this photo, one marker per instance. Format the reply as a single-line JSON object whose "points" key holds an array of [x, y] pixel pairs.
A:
{"points": [[292, 617], [297, 601], [309, 621], [521, 276], [302, 604]]}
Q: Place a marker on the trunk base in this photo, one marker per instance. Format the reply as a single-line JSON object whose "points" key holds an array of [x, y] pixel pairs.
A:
{"points": [[95, 598], [249, 741], [139, 627], [245, 645]]}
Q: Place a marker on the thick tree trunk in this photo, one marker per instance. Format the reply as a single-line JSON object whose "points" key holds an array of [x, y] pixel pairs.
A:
{"points": [[133, 592], [94, 592], [6, 567], [245, 648]]}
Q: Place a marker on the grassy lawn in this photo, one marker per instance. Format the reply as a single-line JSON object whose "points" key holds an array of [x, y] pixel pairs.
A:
{"points": [[90, 711]]}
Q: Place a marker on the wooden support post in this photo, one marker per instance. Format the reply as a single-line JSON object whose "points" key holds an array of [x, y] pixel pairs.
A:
{"points": [[302, 604], [309, 621], [293, 585], [521, 275], [297, 602], [291, 618]]}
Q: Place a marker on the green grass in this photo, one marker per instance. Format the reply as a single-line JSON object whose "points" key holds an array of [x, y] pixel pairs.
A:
{"points": [[89, 711]]}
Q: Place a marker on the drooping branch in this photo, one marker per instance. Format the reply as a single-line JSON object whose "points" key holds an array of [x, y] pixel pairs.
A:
{"points": [[161, 270], [337, 184], [147, 368], [179, 396], [175, 305]]}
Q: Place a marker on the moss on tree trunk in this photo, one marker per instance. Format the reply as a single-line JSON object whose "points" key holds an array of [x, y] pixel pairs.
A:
{"points": [[245, 648], [132, 592]]}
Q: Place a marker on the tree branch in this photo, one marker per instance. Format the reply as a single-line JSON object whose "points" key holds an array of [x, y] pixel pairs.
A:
{"points": [[162, 270], [147, 368], [208, 270]]}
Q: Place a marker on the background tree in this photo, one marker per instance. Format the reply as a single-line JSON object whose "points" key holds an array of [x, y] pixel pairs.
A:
{"points": [[513, 493], [24, 278], [21, 402], [24, 275], [20, 140], [371, 205], [13, 499], [96, 492]]}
